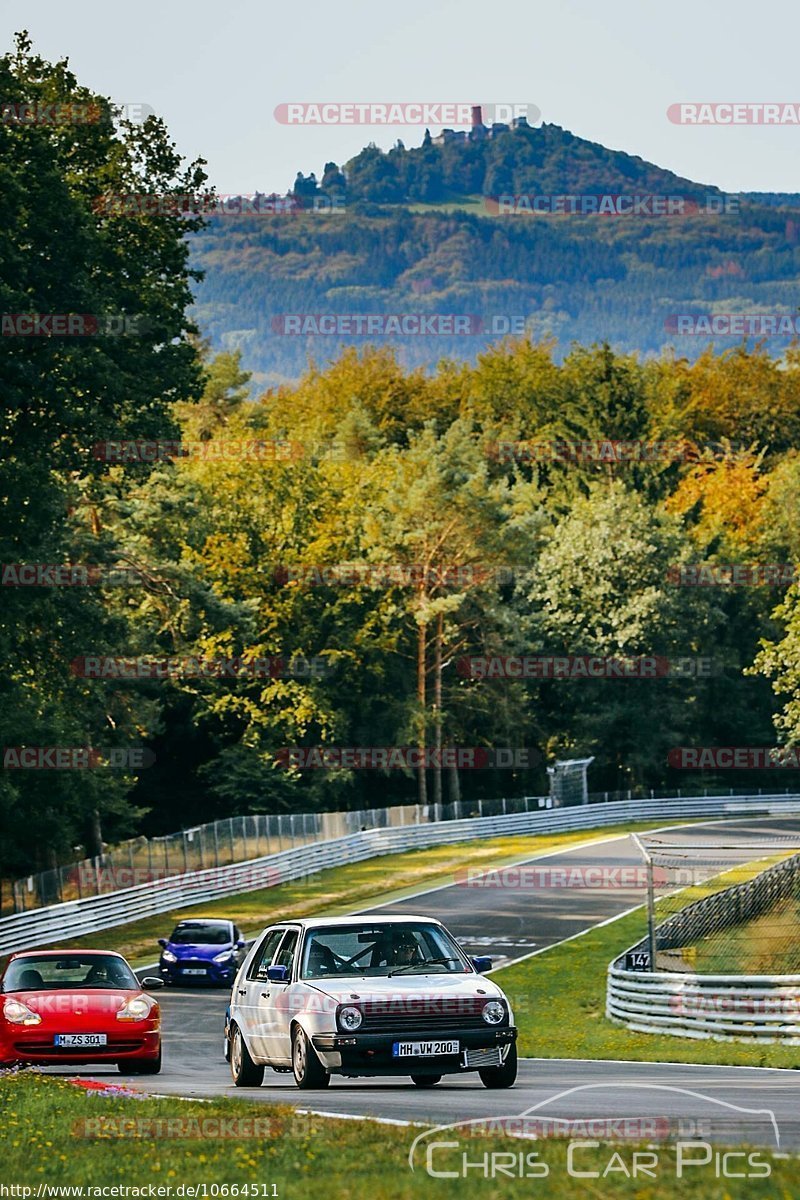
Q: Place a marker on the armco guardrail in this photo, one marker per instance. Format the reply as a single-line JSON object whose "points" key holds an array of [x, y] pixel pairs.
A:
{"points": [[754, 1008], [76, 918]]}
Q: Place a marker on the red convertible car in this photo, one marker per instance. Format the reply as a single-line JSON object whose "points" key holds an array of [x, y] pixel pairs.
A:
{"points": [[78, 1007]]}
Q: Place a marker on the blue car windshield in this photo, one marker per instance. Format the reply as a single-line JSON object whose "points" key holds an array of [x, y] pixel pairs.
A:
{"points": [[200, 933]]}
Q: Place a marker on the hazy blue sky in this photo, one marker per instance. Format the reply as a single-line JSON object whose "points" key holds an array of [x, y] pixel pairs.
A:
{"points": [[607, 72]]}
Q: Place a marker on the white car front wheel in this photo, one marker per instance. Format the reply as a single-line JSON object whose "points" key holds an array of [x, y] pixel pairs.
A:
{"points": [[308, 1070]]}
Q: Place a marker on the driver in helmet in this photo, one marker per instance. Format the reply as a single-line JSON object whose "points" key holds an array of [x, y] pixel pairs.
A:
{"points": [[405, 950]]}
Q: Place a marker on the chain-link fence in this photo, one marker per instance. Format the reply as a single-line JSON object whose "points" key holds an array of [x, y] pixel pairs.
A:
{"points": [[232, 840], [726, 906]]}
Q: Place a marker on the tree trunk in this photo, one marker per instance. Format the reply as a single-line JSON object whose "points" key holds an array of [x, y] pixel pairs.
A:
{"points": [[422, 639], [454, 784], [437, 709], [95, 835]]}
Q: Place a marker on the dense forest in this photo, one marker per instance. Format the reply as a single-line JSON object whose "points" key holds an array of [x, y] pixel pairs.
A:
{"points": [[153, 511]]}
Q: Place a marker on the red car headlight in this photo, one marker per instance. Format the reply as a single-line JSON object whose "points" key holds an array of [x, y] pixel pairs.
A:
{"points": [[136, 1009], [19, 1014]]}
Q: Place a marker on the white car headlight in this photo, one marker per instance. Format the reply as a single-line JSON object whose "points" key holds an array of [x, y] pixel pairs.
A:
{"points": [[225, 956], [19, 1014], [494, 1012], [168, 956], [135, 1009], [349, 1017]]}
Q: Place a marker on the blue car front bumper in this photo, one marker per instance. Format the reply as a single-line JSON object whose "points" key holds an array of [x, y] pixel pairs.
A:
{"points": [[198, 971]]}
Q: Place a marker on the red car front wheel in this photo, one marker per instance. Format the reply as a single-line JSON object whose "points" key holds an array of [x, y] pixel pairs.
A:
{"points": [[141, 1066]]}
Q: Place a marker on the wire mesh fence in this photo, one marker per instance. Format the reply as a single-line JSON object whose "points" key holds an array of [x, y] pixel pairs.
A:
{"points": [[724, 906]]}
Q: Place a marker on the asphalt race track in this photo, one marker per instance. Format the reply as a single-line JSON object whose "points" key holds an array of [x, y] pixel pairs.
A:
{"points": [[508, 923]]}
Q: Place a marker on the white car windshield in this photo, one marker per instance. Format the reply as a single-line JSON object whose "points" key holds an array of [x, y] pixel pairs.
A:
{"points": [[380, 950]]}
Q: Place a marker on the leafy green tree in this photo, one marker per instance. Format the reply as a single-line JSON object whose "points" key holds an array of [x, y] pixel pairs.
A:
{"points": [[602, 588], [65, 250]]}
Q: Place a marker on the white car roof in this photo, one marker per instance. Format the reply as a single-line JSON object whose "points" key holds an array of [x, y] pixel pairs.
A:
{"points": [[363, 919]]}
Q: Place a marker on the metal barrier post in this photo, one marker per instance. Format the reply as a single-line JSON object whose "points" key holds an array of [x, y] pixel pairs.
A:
{"points": [[651, 902]]}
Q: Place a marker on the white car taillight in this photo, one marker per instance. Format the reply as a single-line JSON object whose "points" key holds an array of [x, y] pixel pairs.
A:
{"points": [[136, 1009], [19, 1014]]}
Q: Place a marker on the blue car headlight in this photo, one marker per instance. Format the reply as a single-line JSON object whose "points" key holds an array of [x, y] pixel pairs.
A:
{"points": [[224, 957], [168, 956]]}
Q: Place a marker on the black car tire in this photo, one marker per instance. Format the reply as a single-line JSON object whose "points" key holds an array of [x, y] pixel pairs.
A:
{"points": [[504, 1076], [308, 1070], [244, 1071], [142, 1067]]}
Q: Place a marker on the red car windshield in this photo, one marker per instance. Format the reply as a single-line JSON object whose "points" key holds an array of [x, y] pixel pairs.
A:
{"points": [[34, 973]]}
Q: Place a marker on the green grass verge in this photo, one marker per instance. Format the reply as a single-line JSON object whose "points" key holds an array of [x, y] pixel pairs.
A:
{"points": [[45, 1141], [767, 945], [343, 889]]}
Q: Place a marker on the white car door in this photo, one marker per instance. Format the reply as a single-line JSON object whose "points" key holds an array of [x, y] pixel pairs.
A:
{"points": [[247, 1008], [276, 999]]}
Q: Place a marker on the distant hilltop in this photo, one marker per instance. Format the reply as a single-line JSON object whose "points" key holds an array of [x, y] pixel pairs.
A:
{"points": [[502, 159]]}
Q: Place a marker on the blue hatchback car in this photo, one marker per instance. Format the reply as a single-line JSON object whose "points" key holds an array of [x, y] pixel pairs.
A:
{"points": [[202, 951]]}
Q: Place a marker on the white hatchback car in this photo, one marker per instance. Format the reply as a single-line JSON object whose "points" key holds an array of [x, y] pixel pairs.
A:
{"points": [[366, 996]]}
